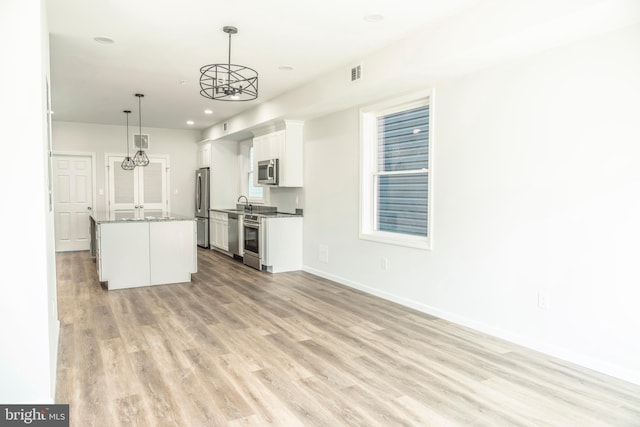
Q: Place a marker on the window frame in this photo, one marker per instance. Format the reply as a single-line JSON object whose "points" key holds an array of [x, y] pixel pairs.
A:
{"points": [[250, 179], [245, 166], [369, 172]]}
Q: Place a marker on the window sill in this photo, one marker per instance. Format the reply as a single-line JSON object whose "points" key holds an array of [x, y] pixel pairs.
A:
{"points": [[416, 242]]}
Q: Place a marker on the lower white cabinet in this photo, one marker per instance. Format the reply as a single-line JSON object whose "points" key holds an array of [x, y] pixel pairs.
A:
{"points": [[283, 244], [219, 230], [123, 254], [172, 252], [144, 253]]}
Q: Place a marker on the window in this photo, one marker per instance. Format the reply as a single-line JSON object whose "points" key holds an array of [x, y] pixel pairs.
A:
{"points": [[255, 192], [395, 182]]}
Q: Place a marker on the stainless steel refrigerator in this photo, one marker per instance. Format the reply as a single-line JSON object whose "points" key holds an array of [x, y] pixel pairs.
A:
{"points": [[202, 206]]}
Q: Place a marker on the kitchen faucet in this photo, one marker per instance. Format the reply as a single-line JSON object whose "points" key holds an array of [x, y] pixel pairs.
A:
{"points": [[247, 206]]}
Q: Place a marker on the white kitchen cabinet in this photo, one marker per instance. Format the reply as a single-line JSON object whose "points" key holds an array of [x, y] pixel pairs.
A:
{"points": [[283, 244], [269, 146], [172, 252], [131, 254], [123, 254], [286, 146], [219, 230], [204, 154]]}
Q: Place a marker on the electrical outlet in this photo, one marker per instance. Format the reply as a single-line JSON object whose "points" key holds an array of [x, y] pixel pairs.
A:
{"points": [[384, 263], [544, 301]]}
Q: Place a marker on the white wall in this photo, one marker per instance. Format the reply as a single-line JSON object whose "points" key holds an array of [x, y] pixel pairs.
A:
{"points": [[179, 145], [28, 316], [224, 174], [536, 188]]}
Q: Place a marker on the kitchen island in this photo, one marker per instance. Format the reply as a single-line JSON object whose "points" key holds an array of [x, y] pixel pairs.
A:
{"points": [[134, 250]]}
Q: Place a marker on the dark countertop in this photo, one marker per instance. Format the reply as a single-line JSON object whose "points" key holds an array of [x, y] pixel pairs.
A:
{"points": [[106, 217], [272, 214]]}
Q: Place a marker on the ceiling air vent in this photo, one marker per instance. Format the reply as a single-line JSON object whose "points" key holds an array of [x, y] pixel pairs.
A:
{"points": [[356, 73], [141, 141]]}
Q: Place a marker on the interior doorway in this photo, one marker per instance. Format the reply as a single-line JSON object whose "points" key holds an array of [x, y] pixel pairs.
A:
{"points": [[72, 200]]}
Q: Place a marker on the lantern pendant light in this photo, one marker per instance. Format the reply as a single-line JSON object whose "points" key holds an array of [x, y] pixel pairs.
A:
{"points": [[127, 163], [141, 158]]}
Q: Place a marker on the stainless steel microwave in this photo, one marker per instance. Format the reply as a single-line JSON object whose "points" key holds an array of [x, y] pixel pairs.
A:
{"points": [[268, 172]]}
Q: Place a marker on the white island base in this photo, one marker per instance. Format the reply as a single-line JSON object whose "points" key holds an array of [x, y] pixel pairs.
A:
{"points": [[135, 253]]}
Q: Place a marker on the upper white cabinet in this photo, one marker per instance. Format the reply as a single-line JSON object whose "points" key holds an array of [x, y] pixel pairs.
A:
{"points": [[204, 155], [269, 146], [286, 146]]}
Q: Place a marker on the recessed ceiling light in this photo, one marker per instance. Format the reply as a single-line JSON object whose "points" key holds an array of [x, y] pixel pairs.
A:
{"points": [[374, 18], [208, 111], [285, 68], [189, 122], [104, 40]]}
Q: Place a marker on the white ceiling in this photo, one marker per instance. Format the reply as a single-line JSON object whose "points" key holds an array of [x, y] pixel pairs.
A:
{"points": [[160, 46]]}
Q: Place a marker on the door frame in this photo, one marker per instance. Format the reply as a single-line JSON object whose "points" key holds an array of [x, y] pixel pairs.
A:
{"points": [[92, 155]]}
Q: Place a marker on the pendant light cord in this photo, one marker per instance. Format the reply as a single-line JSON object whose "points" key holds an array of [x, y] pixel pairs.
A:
{"points": [[127, 139], [140, 118], [229, 67]]}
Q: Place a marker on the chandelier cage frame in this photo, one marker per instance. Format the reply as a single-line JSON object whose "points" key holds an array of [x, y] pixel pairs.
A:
{"points": [[228, 82]]}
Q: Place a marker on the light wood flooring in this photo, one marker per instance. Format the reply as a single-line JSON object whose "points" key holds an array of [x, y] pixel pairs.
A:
{"points": [[236, 347]]}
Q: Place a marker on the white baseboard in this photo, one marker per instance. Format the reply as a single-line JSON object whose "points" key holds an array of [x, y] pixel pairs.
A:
{"points": [[549, 349]]}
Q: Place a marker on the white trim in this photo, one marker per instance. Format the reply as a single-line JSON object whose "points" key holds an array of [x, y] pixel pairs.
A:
{"points": [[244, 168], [368, 156], [407, 240], [571, 356], [165, 157]]}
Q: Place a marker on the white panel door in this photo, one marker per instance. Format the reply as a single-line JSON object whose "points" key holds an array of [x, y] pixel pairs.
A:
{"points": [[73, 195], [142, 190]]}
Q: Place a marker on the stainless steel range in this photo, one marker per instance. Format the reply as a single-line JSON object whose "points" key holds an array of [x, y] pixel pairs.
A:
{"points": [[253, 241]]}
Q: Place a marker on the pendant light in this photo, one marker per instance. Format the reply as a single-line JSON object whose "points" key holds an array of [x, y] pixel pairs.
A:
{"points": [[141, 158], [127, 163], [228, 82]]}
